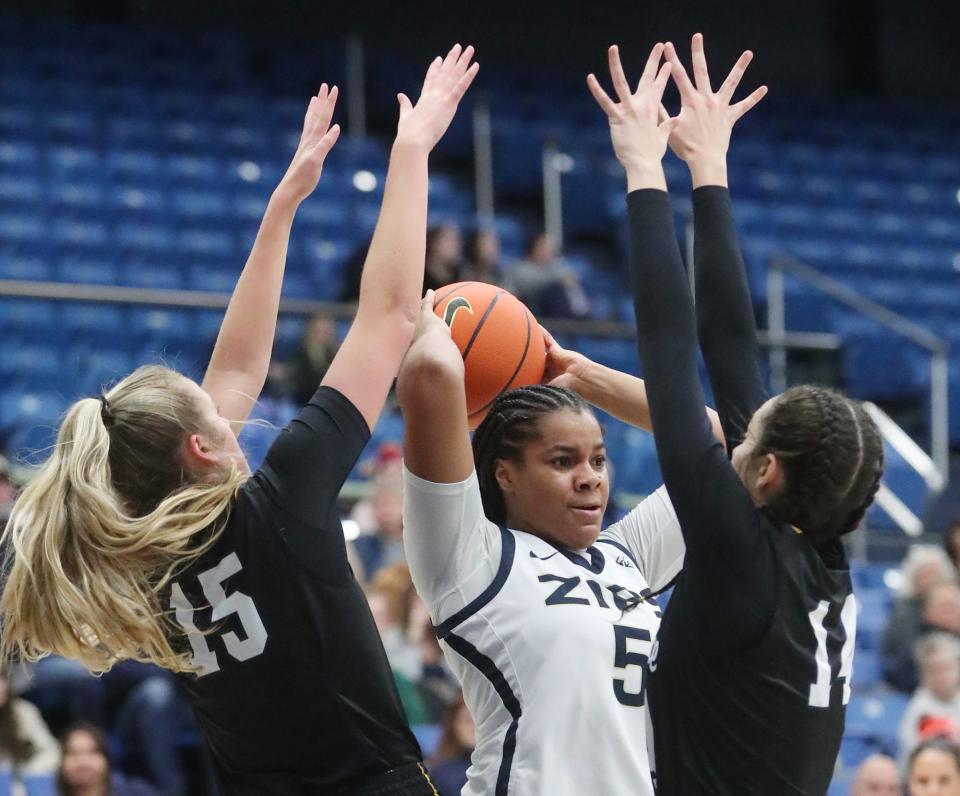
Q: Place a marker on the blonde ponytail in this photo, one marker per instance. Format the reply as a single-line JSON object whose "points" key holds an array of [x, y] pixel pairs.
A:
{"points": [[110, 518]]}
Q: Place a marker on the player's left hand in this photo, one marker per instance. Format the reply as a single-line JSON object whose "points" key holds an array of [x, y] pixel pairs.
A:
{"points": [[702, 129], [316, 141], [639, 137], [563, 368]]}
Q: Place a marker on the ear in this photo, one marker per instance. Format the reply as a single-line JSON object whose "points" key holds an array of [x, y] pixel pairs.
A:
{"points": [[769, 475], [200, 454], [503, 472]]}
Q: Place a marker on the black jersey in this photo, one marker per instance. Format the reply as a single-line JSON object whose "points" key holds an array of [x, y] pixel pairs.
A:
{"points": [[766, 718], [752, 672], [294, 693]]}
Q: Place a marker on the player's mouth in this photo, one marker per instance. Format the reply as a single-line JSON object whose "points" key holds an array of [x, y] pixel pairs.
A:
{"points": [[590, 511]]}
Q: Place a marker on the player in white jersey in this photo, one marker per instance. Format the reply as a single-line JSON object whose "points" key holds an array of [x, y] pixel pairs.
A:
{"points": [[547, 622]]}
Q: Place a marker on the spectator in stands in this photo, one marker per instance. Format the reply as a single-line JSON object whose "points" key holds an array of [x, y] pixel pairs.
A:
{"points": [[380, 518], [934, 769], [449, 766], [924, 568], [438, 686], [938, 658], [139, 700], [402, 655], [483, 258], [878, 775], [444, 258], [312, 358], [26, 746], [547, 285], [86, 769]]}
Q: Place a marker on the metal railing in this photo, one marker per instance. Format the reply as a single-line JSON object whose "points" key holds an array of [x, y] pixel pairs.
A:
{"points": [[938, 349]]}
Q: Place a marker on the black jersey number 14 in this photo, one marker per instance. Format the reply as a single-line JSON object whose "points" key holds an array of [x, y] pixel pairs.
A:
{"points": [[820, 688], [211, 581]]}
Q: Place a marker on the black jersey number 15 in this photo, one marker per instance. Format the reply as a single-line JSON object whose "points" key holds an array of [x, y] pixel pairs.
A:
{"points": [[211, 581]]}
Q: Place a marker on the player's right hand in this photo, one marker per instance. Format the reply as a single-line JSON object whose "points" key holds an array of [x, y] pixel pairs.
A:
{"points": [[316, 141], [423, 125], [429, 322]]}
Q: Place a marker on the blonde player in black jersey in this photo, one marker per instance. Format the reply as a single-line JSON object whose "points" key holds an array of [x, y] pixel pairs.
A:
{"points": [[145, 536], [749, 685]]}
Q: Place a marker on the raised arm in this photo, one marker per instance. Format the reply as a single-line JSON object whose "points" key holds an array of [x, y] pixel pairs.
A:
{"points": [[616, 393], [436, 438], [241, 356], [452, 550], [726, 327], [392, 280], [717, 517]]}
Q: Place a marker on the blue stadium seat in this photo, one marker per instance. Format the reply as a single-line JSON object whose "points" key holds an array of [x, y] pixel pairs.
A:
{"points": [[20, 190], [14, 265], [207, 243], [875, 714], [215, 276], [145, 239], [77, 194], [94, 321], [160, 272], [198, 206], [85, 270], [161, 327]]}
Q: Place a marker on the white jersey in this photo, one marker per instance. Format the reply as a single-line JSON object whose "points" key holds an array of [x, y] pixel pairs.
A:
{"points": [[550, 645]]}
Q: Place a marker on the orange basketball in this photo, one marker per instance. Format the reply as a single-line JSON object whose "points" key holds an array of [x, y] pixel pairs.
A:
{"points": [[500, 340]]}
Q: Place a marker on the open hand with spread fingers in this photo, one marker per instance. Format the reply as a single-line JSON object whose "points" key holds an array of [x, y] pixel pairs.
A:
{"points": [[423, 125], [639, 135], [316, 141], [701, 131]]}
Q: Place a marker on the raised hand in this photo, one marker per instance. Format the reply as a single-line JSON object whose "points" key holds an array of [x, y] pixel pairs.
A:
{"points": [[423, 125], [701, 131], [316, 140], [563, 368], [639, 135]]}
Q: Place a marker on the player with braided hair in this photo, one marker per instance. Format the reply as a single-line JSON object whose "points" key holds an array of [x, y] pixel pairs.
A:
{"points": [[752, 670], [546, 621]]}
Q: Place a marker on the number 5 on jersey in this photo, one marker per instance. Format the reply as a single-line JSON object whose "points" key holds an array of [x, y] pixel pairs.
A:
{"points": [[624, 658], [223, 605]]}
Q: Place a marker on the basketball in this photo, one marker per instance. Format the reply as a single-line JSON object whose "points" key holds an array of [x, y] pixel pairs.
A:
{"points": [[500, 340]]}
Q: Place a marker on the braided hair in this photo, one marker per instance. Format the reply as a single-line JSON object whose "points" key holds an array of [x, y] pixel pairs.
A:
{"points": [[513, 420], [832, 458]]}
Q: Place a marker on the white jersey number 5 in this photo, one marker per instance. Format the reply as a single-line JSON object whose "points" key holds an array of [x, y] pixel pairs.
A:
{"points": [[223, 605]]}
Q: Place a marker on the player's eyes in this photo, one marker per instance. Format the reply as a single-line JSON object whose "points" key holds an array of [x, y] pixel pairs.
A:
{"points": [[600, 462], [561, 462]]}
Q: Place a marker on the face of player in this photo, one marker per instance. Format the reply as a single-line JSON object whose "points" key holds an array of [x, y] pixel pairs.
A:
{"points": [[559, 489], [934, 773], [941, 674], [754, 471], [84, 765], [218, 444]]}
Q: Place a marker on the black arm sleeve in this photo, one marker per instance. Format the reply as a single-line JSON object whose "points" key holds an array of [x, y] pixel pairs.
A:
{"points": [[307, 464], [730, 569], [726, 326]]}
